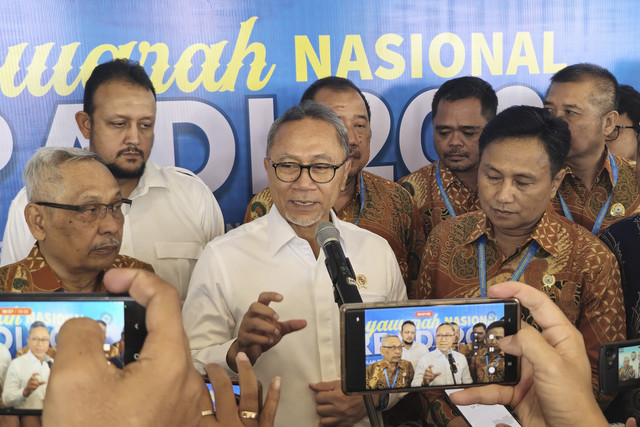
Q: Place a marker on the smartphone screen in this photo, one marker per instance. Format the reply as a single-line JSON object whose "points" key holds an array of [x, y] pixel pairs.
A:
{"points": [[619, 366], [236, 392], [29, 327], [427, 344]]}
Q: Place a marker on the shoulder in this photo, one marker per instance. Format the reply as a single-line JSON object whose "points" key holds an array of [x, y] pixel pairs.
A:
{"points": [[419, 177], [245, 234], [179, 178], [456, 229], [382, 188], [353, 234]]}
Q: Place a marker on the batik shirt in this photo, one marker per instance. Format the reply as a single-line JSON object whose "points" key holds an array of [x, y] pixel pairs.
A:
{"points": [[376, 379], [33, 274], [423, 187], [481, 365], [388, 211]]}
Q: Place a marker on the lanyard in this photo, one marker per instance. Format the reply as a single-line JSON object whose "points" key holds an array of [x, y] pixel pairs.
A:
{"points": [[605, 207], [394, 378], [482, 264], [491, 370], [445, 197], [361, 199]]}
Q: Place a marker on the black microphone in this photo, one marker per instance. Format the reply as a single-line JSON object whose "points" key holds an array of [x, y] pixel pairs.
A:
{"points": [[452, 362], [345, 288]]}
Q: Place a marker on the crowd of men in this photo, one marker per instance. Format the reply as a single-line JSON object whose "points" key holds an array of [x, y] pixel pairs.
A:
{"points": [[519, 195]]}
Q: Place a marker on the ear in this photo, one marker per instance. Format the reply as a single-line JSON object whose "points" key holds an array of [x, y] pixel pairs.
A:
{"points": [[347, 169], [556, 181], [267, 165], [36, 218], [84, 123], [609, 121]]}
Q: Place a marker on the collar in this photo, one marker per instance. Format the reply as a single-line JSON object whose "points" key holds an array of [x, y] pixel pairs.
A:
{"points": [[606, 166], [151, 177], [546, 232], [449, 178], [385, 365], [280, 233]]}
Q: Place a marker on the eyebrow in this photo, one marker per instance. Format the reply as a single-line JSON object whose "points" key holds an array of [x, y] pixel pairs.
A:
{"points": [[576, 106], [297, 158], [464, 127], [518, 175]]}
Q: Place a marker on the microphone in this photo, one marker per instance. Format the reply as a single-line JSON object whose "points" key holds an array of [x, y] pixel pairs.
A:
{"points": [[452, 362], [345, 288]]}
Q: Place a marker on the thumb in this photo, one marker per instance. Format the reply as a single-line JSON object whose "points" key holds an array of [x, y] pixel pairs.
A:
{"points": [[292, 326], [325, 386]]}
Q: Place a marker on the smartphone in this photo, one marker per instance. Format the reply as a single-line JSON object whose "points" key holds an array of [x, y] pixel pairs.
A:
{"points": [[619, 366], [235, 383], [411, 345], [122, 319]]}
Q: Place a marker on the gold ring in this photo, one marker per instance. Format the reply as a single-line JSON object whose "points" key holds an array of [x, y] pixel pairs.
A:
{"points": [[208, 412], [248, 415]]}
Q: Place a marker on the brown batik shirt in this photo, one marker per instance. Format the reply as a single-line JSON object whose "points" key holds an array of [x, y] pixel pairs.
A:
{"points": [[423, 187], [376, 378], [33, 274], [388, 211], [481, 365], [571, 266], [585, 205]]}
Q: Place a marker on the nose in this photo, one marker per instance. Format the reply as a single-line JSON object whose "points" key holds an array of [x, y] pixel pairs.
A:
{"points": [[304, 181], [133, 135], [111, 223], [455, 139], [505, 192]]}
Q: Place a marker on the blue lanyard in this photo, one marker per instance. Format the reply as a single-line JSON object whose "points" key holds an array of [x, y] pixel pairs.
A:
{"points": [[361, 198], [486, 358], [482, 264], [445, 197], [394, 379], [605, 207]]}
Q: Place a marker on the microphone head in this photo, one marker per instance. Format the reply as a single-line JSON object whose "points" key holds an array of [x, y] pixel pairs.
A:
{"points": [[448, 352], [326, 232]]}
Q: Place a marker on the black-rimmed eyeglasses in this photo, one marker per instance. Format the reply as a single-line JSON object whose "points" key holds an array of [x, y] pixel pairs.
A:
{"points": [[94, 211], [616, 131], [320, 173]]}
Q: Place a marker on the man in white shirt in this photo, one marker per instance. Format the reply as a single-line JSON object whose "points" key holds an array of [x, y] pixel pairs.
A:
{"points": [[634, 364], [411, 349], [437, 367], [267, 278], [173, 215], [27, 376]]}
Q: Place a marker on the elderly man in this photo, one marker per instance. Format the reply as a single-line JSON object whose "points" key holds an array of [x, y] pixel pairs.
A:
{"points": [[442, 366], [75, 214], [173, 215], [367, 200], [459, 111], [391, 371], [517, 235], [24, 386], [599, 187], [267, 279], [488, 365]]}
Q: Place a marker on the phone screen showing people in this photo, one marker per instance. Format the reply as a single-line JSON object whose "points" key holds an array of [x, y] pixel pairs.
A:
{"points": [[428, 344]]}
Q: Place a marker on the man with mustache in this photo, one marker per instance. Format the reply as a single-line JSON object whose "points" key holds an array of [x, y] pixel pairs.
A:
{"points": [[75, 214], [449, 187], [174, 214]]}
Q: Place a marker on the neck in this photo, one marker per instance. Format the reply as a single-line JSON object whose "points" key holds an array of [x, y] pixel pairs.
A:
{"points": [[586, 167], [469, 178], [407, 345], [73, 281], [393, 366], [348, 193], [509, 242], [127, 185]]}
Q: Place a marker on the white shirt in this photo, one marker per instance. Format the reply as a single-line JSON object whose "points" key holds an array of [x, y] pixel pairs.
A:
{"points": [[635, 365], [18, 374], [173, 216], [267, 255], [440, 363], [5, 359], [414, 353]]}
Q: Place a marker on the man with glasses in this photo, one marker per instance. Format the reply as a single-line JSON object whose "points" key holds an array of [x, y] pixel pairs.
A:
{"points": [[75, 215], [174, 213], [263, 288], [391, 371], [624, 139], [367, 200], [442, 366], [599, 187]]}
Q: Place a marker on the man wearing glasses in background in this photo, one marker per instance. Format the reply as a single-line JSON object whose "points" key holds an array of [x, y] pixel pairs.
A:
{"points": [[623, 141], [263, 288], [75, 215]]}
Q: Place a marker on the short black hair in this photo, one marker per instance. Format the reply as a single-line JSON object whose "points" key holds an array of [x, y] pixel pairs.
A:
{"points": [[605, 97], [525, 121], [496, 324], [629, 104], [480, 325], [338, 84], [117, 69], [467, 87], [407, 322]]}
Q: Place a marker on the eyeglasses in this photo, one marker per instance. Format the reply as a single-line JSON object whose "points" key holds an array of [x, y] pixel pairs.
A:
{"points": [[616, 131], [320, 173], [40, 340], [94, 211], [445, 335], [392, 347]]}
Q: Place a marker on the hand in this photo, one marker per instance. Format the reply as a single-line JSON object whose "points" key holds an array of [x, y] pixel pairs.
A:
{"points": [[33, 383], [334, 407], [553, 363], [227, 412], [260, 329], [161, 388], [429, 375]]}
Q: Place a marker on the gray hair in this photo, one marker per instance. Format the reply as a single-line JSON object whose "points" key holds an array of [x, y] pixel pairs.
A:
{"points": [[43, 177], [311, 110], [389, 336]]}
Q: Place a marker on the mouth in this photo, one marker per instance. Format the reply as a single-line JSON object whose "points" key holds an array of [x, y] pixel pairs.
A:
{"points": [[502, 213], [456, 156], [130, 153], [107, 248], [303, 204]]}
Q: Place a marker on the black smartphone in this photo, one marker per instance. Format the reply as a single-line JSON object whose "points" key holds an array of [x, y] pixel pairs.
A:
{"points": [[29, 326], [427, 344], [235, 383], [619, 366]]}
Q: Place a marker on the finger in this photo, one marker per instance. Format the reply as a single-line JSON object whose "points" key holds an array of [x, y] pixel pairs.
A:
{"points": [[259, 328], [258, 309], [268, 413], [268, 297], [435, 374], [324, 386], [486, 395], [543, 310], [249, 400], [292, 326], [226, 408], [79, 345]]}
